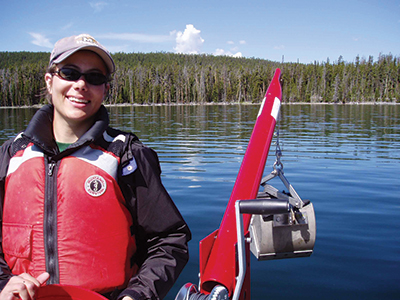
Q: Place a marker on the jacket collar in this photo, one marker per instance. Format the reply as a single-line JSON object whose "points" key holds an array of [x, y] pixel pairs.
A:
{"points": [[40, 129]]}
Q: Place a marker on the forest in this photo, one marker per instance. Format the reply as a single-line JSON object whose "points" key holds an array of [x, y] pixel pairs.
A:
{"points": [[168, 78]]}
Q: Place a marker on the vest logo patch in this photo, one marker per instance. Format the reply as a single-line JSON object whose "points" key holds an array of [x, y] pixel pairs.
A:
{"points": [[95, 185]]}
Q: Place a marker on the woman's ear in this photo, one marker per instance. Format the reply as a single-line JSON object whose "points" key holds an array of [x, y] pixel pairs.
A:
{"points": [[49, 81]]}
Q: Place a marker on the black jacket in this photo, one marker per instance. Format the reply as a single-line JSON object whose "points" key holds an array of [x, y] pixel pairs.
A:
{"points": [[160, 231]]}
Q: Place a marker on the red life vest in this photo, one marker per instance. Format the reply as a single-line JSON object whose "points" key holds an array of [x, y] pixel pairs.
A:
{"points": [[71, 214]]}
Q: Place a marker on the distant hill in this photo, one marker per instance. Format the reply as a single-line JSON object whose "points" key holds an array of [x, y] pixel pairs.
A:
{"points": [[167, 78]]}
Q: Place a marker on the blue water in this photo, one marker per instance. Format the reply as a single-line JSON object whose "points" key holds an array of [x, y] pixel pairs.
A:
{"points": [[345, 159]]}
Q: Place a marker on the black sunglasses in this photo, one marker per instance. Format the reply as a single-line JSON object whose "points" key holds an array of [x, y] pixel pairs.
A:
{"points": [[94, 78]]}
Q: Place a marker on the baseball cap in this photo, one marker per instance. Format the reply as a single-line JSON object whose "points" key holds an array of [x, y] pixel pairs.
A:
{"points": [[69, 45]]}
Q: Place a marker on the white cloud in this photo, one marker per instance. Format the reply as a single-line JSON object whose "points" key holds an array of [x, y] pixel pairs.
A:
{"points": [[219, 52], [67, 26], [118, 48], [234, 50], [98, 6], [227, 53], [138, 37], [189, 41], [40, 40]]}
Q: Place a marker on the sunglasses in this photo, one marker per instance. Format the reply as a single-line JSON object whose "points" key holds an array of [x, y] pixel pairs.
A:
{"points": [[94, 78]]}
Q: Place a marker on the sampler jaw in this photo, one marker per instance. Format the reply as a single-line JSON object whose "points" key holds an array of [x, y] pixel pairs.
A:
{"points": [[283, 235]]}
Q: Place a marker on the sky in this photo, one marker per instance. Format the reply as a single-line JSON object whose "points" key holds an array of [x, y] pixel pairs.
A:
{"points": [[287, 30]]}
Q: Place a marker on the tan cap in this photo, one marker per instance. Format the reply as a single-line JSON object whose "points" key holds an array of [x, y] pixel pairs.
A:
{"points": [[69, 45]]}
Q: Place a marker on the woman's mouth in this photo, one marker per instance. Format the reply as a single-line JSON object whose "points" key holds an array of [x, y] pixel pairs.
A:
{"points": [[77, 100]]}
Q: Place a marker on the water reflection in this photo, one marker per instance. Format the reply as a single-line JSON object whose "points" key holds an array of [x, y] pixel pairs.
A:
{"points": [[345, 158], [14, 120]]}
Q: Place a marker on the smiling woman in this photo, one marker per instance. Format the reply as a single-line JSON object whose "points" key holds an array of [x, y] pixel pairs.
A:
{"points": [[95, 214], [76, 101]]}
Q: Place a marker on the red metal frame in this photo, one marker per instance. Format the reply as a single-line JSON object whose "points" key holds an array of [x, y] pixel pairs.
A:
{"points": [[218, 261]]}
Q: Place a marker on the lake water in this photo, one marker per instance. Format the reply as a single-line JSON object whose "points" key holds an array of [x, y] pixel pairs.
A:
{"points": [[345, 159]]}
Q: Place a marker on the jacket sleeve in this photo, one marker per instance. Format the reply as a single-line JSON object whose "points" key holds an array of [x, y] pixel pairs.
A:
{"points": [[161, 232], [5, 272]]}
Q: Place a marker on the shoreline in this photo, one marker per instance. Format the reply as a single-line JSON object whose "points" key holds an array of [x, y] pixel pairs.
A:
{"points": [[218, 103]]}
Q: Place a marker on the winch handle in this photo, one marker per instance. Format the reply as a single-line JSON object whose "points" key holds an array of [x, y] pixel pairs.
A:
{"points": [[264, 207]]}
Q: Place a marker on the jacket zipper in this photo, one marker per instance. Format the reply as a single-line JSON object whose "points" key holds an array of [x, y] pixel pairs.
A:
{"points": [[50, 222]]}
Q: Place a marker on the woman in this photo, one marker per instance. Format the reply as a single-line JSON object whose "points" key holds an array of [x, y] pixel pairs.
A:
{"points": [[83, 203]]}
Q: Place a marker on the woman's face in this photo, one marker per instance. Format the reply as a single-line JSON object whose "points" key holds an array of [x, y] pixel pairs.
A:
{"points": [[76, 102]]}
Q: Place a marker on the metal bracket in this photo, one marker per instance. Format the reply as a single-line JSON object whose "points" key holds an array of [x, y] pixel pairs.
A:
{"points": [[293, 198]]}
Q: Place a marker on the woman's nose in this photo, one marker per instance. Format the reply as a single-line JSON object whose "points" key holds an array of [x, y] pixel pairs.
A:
{"points": [[81, 83]]}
